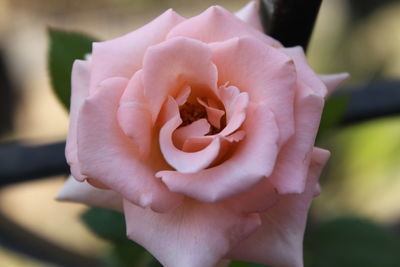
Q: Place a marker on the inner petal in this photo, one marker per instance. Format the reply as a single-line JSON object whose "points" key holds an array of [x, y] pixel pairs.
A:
{"points": [[193, 144], [235, 113], [198, 128], [182, 161], [227, 95], [214, 114], [183, 95]]}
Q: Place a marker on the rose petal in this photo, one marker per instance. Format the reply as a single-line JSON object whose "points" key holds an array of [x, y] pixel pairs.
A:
{"points": [[305, 74], [317, 190], [237, 114], [184, 162], [332, 81], [197, 143], [279, 241], [228, 95], [253, 159], [250, 14], [195, 129], [175, 63], [236, 136], [186, 236], [79, 91], [82, 192], [217, 24], [97, 184], [214, 115], [267, 74], [134, 111], [290, 173], [291, 170], [194, 144], [123, 56], [107, 155], [183, 95], [258, 199]]}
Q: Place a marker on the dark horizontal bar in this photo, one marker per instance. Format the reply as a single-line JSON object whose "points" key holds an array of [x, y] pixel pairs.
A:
{"points": [[19, 162], [375, 100]]}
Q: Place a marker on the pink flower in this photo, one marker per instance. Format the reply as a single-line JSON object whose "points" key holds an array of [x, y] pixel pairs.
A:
{"points": [[202, 132]]}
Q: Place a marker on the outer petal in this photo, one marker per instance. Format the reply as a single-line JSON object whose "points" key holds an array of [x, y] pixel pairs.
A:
{"points": [[267, 74], [290, 173], [79, 91], [258, 199], [121, 57], [82, 192], [134, 115], [216, 24], [173, 64], [306, 77], [253, 159], [291, 170], [279, 242], [194, 234], [107, 155], [251, 14], [332, 81]]}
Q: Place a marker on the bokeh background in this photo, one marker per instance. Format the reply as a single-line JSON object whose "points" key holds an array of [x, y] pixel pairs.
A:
{"points": [[359, 37]]}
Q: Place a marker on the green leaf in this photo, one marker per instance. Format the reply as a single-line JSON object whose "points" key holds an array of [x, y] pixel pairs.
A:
{"points": [[107, 224], [129, 254], [245, 264], [333, 112], [65, 47], [351, 242]]}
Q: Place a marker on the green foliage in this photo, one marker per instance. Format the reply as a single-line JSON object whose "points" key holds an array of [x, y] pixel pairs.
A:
{"points": [[351, 242], [107, 224], [333, 112], [110, 225], [245, 264], [65, 47], [129, 254]]}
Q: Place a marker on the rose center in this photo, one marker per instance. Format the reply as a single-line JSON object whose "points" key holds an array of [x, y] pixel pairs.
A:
{"points": [[191, 112]]}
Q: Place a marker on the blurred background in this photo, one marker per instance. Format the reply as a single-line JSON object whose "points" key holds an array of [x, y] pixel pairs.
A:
{"points": [[359, 37]]}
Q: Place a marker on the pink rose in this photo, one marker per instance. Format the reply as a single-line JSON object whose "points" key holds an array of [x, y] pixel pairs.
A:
{"points": [[202, 132]]}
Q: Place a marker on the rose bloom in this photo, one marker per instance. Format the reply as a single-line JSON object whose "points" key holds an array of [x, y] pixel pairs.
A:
{"points": [[201, 131]]}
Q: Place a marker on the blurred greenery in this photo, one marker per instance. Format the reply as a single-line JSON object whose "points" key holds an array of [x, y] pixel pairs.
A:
{"points": [[128, 255], [333, 112], [65, 47], [351, 242], [105, 223]]}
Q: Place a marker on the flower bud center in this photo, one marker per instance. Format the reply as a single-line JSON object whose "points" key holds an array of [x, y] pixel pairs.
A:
{"points": [[191, 112]]}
